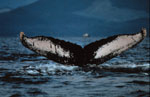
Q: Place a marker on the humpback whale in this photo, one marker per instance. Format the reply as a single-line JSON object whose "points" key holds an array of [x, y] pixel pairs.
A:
{"points": [[97, 52]]}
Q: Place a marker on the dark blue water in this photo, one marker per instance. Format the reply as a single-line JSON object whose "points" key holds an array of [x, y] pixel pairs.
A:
{"points": [[26, 74]]}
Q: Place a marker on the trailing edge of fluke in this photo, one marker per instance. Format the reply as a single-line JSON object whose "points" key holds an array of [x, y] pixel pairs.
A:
{"points": [[68, 53]]}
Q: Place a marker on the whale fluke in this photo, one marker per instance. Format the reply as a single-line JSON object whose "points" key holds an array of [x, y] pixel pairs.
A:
{"points": [[103, 50], [72, 54], [54, 49]]}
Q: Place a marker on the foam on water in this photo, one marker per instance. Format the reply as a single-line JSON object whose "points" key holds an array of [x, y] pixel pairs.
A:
{"points": [[54, 68], [49, 68], [130, 67]]}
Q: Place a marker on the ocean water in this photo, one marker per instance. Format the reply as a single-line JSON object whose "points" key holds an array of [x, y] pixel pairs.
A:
{"points": [[26, 74]]}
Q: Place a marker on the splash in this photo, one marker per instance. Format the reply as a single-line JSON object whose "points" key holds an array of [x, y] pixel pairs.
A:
{"points": [[59, 69], [127, 67], [49, 68]]}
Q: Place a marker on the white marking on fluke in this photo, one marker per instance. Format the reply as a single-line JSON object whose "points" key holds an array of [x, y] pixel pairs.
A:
{"points": [[48, 46], [120, 44]]}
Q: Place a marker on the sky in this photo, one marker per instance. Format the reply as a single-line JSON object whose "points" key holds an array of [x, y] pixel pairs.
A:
{"points": [[73, 17], [8, 5]]}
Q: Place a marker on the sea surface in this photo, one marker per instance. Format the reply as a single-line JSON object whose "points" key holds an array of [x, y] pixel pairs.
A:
{"points": [[26, 74]]}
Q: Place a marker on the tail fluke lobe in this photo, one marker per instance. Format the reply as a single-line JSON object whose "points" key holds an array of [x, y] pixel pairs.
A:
{"points": [[54, 49], [103, 50]]}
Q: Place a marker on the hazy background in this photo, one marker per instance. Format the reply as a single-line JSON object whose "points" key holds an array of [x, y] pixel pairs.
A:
{"points": [[73, 17]]}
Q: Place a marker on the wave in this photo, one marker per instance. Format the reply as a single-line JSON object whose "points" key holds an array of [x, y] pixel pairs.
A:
{"points": [[49, 68], [57, 69], [130, 67]]}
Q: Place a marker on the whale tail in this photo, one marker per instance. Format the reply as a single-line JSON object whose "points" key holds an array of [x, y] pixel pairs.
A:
{"points": [[72, 54]]}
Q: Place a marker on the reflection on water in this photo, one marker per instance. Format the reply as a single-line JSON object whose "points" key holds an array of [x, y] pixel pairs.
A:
{"points": [[26, 74]]}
